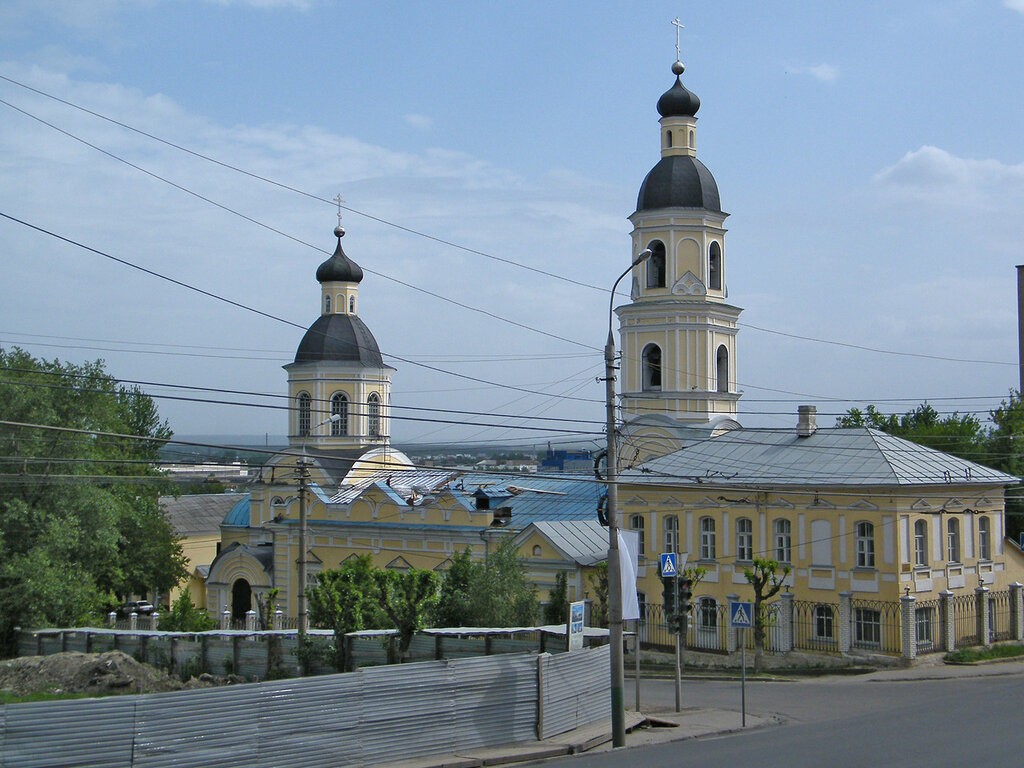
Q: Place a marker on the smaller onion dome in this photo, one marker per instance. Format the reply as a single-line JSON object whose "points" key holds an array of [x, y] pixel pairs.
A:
{"points": [[677, 101], [339, 268]]}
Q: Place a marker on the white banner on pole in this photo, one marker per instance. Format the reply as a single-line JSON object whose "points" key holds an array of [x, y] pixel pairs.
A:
{"points": [[629, 558]]}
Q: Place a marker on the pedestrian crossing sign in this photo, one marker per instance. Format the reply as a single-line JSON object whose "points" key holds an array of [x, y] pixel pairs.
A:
{"points": [[668, 564], [740, 615]]}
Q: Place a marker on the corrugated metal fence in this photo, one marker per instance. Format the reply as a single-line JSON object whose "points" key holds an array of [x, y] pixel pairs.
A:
{"points": [[375, 715]]}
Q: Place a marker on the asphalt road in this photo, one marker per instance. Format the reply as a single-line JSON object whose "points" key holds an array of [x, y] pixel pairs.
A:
{"points": [[844, 722]]}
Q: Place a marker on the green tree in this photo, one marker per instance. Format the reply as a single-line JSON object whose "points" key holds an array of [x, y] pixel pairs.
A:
{"points": [[501, 594], [454, 606], [557, 609], [80, 523], [599, 586], [345, 600], [1005, 452], [959, 434], [766, 580], [406, 598], [185, 616]]}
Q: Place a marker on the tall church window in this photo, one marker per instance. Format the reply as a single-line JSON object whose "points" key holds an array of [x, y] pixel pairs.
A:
{"points": [[953, 540], [722, 368], [327, 304], [373, 414], [715, 267], [351, 305], [651, 367], [656, 265], [339, 407], [984, 539], [668, 139], [304, 408], [671, 526], [744, 539], [865, 533], [921, 542]]}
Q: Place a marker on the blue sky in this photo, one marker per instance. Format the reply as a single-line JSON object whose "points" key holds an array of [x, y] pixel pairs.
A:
{"points": [[868, 153]]}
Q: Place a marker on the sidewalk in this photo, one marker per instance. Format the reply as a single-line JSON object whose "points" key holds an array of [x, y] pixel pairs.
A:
{"points": [[640, 730]]}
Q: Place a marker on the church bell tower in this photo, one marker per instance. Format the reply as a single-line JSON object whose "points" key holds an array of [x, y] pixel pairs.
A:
{"points": [[678, 333]]}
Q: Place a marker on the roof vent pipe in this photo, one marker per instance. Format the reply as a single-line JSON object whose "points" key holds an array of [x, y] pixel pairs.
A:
{"points": [[807, 420]]}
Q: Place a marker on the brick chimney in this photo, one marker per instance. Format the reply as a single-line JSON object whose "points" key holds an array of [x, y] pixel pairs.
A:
{"points": [[807, 420]]}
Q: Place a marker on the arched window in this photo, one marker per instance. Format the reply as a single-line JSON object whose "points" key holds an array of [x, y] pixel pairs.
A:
{"points": [[707, 613], [351, 305], [668, 139], [953, 540], [651, 367], [339, 407], [783, 541], [722, 368], [373, 414], [744, 539], [636, 523], [304, 405], [327, 304], [707, 538], [715, 267], [865, 544], [656, 265], [692, 135], [537, 550], [671, 534], [984, 539], [921, 542]]}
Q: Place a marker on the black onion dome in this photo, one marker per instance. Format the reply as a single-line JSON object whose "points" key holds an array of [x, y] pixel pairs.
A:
{"points": [[679, 181], [677, 101], [339, 268], [339, 338]]}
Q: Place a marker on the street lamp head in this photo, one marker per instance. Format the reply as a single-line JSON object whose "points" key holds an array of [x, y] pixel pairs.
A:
{"points": [[645, 254]]}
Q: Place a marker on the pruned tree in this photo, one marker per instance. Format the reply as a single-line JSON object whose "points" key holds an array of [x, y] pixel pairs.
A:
{"points": [[766, 580], [557, 609], [345, 600], [406, 598]]}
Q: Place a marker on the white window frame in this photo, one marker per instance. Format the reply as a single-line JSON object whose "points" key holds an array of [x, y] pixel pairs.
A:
{"points": [[707, 538], [783, 540], [744, 539], [865, 532], [670, 533]]}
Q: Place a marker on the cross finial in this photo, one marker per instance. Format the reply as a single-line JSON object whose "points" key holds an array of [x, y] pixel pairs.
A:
{"points": [[339, 200], [678, 26]]}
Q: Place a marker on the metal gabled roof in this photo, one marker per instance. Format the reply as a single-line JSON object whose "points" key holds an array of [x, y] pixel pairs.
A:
{"points": [[196, 514], [582, 541], [399, 484], [830, 457], [535, 498]]}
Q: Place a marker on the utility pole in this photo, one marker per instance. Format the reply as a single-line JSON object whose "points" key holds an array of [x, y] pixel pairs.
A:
{"points": [[303, 480]]}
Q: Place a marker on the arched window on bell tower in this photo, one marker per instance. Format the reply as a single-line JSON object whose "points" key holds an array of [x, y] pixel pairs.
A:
{"points": [[373, 414], [715, 267], [339, 408], [304, 403], [327, 304], [722, 367], [656, 265], [652, 368]]}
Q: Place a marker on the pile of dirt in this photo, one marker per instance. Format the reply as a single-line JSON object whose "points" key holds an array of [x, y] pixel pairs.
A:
{"points": [[92, 673]]}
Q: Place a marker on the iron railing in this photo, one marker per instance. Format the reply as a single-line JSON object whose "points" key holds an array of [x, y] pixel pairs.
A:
{"points": [[927, 626], [999, 616], [965, 620], [875, 626], [815, 626]]}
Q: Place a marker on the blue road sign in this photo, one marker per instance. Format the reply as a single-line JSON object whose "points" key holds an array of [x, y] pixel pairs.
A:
{"points": [[741, 615], [668, 564]]}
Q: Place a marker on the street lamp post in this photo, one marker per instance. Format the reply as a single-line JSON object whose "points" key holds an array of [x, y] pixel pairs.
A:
{"points": [[303, 480], [614, 564]]}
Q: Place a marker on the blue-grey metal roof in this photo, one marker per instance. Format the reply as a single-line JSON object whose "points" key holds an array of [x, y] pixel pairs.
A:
{"points": [[534, 498], [829, 457], [584, 541]]}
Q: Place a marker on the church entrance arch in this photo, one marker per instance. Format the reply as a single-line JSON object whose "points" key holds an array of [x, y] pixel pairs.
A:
{"points": [[241, 599]]}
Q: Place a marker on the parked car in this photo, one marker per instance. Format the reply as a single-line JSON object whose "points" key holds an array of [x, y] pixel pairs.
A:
{"points": [[141, 607]]}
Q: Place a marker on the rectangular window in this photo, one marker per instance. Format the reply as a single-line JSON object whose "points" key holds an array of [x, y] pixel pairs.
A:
{"points": [[867, 626], [707, 538], [924, 619], [865, 545], [921, 542], [744, 539], [782, 541], [671, 526], [823, 622], [636, 523], [984, 539]]}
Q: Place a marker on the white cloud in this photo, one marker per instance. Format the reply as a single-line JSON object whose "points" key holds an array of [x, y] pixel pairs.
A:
{"points": [[1015, 5], [939, 176], [825, 73], [423, 122]]}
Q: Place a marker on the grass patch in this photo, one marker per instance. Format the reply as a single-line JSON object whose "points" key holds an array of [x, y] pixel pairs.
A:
{"points": [[983, 654]]}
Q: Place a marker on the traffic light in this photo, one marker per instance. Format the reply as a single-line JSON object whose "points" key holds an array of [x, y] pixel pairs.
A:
{"points": [[668, 596], [685, 593]]}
